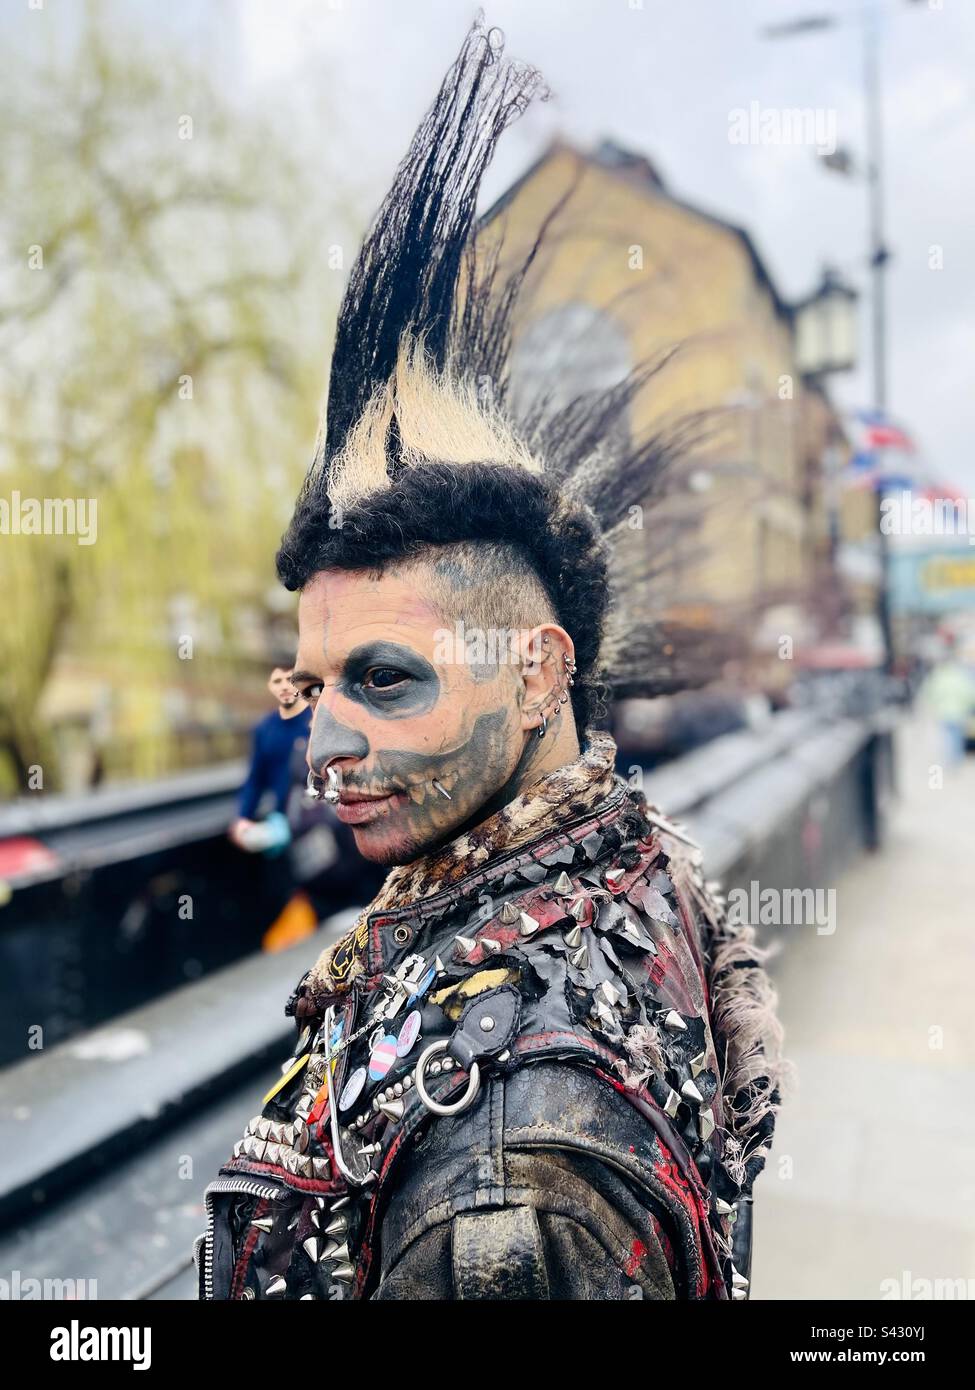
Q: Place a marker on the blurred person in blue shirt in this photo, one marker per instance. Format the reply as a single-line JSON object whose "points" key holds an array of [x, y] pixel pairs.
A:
{"points": [[271, 768]]}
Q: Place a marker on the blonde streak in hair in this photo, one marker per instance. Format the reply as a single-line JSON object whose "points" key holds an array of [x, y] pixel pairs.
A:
{"points": [[439, 416], [361, 466]]}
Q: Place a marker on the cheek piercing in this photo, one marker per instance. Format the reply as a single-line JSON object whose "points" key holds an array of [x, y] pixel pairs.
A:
{"points": [[442, 790]]}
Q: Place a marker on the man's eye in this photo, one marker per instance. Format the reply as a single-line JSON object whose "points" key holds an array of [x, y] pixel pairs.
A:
{"points": [[382, 677]]}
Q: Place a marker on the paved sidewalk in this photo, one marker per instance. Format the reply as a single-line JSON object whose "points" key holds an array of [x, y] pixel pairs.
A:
{"points": [[872, 1178]]}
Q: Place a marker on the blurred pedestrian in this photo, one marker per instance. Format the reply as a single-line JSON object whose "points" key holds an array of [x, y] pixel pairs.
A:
{"points": [[949, 693], [270, 771]]}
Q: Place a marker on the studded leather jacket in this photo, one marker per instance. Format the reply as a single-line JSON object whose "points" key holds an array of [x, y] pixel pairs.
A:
{"points": [[534, 1084]]}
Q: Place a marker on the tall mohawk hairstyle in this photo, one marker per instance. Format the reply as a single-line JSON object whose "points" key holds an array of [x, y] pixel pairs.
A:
{"points": [[421, 446]]}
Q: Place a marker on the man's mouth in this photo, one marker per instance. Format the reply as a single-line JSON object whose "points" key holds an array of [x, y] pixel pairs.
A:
{"points": [[358, 808]]}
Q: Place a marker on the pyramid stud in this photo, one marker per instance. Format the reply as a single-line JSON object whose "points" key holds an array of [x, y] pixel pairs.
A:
{"points": [[723, 1208], [674, 1022], [573, 937], [464, 946], [321, 1168], [609, 993], [705, 1125], [563, 885], [580, 958], [739, 1295], [438, 965], [509, 914], [690, 1092], [698, 1063], [671, 1103], [528, 925], [738, 1280], [263, 1130], [392, 1109]]}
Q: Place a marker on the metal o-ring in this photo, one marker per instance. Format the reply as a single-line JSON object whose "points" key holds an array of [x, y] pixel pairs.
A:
{"points": [[401, 935], [473, 1084]]}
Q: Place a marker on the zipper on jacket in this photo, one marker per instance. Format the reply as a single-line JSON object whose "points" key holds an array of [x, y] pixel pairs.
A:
{"points": [[253, 1187]]}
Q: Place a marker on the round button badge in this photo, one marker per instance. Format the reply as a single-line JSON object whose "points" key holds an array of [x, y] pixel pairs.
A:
{"points": [[352, 1089], [409, 1033], [382, 1058]]}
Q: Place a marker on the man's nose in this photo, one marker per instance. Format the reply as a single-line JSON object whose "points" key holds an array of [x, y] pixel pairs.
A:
{"points": [[330, 740]]}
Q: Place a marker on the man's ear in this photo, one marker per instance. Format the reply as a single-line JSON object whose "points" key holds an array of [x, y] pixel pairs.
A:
{"points": [[543, 672]]}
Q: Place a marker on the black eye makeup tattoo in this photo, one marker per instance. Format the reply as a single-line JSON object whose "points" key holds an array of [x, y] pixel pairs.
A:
{"points": [[390, 680]]}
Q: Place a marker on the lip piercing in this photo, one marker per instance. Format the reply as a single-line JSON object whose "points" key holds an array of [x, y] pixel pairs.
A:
{"points": [[442, 790]]}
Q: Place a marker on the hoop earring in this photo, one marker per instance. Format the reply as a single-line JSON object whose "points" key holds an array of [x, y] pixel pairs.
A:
{"points": [[543, 727]]}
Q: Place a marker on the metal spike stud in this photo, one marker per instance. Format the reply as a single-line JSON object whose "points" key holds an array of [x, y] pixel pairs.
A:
{"points": [[277, 1287], [509, 914], [690, 1092], [579, 907], [392, 1109], [674, 1022], [722, 1207], [738, 1280], [609, 992], [580, 958], [344, 1273], [563, 885], [464, 946], [263, 1223], [312, 1248], [573, 937], [491, 947], [336, 1227], [614, 877], [529, 925], [705, 1125], [336, 1250]]}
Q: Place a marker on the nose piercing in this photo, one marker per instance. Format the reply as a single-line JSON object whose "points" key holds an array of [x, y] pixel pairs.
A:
{"points": [[334, 785], [314, 787]]}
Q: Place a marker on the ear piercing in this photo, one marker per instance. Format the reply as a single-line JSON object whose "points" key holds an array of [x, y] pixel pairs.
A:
{"points": [[562, 695], [442, 790]]}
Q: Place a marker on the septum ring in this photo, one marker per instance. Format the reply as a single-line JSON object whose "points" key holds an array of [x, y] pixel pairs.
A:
{"points": [[467, 1099]]}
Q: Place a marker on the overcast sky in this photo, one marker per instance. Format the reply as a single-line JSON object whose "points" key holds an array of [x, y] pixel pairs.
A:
{"points": [[662, 79]]}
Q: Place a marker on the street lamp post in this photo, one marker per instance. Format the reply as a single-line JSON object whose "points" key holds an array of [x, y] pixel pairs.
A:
{"points": [[879, 255]]}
